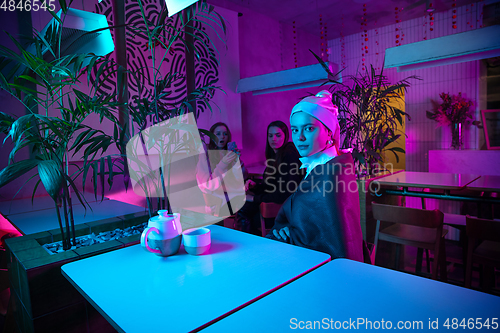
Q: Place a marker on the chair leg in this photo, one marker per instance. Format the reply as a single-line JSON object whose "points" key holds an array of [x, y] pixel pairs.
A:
{"points": [[418, 266], [487, 277], [263, 226], [443, 269], [398, 256], [468, 269], [375, 246], [427, 260]]}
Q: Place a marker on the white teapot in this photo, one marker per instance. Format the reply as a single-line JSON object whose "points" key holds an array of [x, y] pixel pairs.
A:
{"points": [[163, 235]]}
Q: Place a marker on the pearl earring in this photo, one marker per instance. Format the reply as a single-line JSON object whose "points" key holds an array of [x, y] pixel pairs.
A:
{"points": [[330, 142]]}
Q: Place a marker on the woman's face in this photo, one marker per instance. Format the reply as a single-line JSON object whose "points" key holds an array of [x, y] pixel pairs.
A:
{"points": [[309, 134], [222, 136], [275, 137]]}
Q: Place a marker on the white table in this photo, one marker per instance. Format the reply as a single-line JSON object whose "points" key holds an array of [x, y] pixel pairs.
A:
{"points": [[137, 291], [344, 290], [444, 181]]}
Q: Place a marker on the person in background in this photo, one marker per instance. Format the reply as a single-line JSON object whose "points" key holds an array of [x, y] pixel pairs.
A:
{"points": [[280, 179], [323, 214], [220, 179]]}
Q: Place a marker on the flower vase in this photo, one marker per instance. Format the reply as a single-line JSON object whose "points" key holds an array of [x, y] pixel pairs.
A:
{"points": [[456, 136]]}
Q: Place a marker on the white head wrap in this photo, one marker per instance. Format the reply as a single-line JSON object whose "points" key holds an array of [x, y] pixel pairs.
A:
{"points": [[321, 108]]}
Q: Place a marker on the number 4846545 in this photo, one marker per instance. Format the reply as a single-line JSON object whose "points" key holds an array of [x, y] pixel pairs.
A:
{"points": [[27, 5], [471, 323]]}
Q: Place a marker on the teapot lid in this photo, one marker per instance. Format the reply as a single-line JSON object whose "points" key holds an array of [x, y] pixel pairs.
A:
{"points": [[164, 213]]}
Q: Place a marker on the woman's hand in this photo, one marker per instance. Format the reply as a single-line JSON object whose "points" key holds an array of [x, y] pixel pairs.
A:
{"points": [[249, 184], [230, 157], [283, 233]]}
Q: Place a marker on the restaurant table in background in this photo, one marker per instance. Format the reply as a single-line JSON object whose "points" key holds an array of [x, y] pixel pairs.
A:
{"points": [[460, 184], [137, 291], [444, 181], [344, 292], [486, 184], [256, 171]]}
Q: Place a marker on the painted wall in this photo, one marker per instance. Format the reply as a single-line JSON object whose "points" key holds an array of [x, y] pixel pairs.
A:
{"points": [[423, 134], [226, 104], [267, 46]]}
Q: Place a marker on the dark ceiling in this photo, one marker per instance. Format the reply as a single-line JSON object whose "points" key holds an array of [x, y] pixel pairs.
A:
{"points": [[305, 13]]}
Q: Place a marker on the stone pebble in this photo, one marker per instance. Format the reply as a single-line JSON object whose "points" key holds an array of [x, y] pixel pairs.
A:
{"points": [[102, 237]]}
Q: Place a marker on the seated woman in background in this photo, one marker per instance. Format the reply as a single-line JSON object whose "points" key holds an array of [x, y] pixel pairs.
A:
{"points": [[221, 180], [280, 179], [323, 214]]}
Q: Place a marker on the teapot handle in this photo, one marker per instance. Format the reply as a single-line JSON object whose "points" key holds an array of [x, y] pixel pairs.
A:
{"points": [[144, 239]]}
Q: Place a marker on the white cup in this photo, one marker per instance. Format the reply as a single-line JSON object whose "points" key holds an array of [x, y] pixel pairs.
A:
{"points": [[196, 241]]}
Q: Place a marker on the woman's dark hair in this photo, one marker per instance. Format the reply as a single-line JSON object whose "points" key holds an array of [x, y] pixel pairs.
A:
{"points": [[269, 151], [212, 144]]}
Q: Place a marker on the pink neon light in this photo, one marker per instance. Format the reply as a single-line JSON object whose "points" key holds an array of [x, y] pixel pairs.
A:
{"points": [[146, 240]]}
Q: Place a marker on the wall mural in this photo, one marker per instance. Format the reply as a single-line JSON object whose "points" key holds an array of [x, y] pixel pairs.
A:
{"points": [[139, 59]]}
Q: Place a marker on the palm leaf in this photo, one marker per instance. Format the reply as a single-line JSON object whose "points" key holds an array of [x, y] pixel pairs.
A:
{"points": [[51, 177], [15, 170]]}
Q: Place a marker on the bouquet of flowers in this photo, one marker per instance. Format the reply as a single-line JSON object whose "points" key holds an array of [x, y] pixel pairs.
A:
{"points": [[453, 110]]}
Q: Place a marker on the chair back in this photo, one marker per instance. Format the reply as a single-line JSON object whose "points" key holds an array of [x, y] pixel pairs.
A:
{"points": [[269, 209], [414, 227], [411, 216], [479, 230], [482, 229]]}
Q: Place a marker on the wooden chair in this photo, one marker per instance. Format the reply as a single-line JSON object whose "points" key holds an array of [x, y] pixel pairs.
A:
{"points": [[487, 253], [267, 210], [415, 227]]}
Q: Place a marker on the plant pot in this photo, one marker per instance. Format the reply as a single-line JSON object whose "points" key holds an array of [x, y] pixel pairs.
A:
{"points": [[42, 299]]}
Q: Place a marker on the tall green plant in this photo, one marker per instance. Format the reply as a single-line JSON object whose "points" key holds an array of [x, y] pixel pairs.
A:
{"points": [[368, 120], [150, 107], [53, 127]]}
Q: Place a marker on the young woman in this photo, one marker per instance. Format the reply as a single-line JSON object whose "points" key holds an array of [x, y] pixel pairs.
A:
{"points": [[280, 179], [323, 214], [221, 180]]}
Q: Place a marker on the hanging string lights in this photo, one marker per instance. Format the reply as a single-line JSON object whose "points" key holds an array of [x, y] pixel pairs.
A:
{"points": [[480, 18], [454, 14], [326, 42], [342, 44], [396, 17], [377, 48], [323, 39], [364, 37], [295, 44], [425, 27], [469, 17], [430, 10]]}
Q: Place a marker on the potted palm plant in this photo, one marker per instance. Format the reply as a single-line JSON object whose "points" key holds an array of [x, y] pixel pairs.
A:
{"points": [[54, 128], [153, 105], [370, 121]]}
